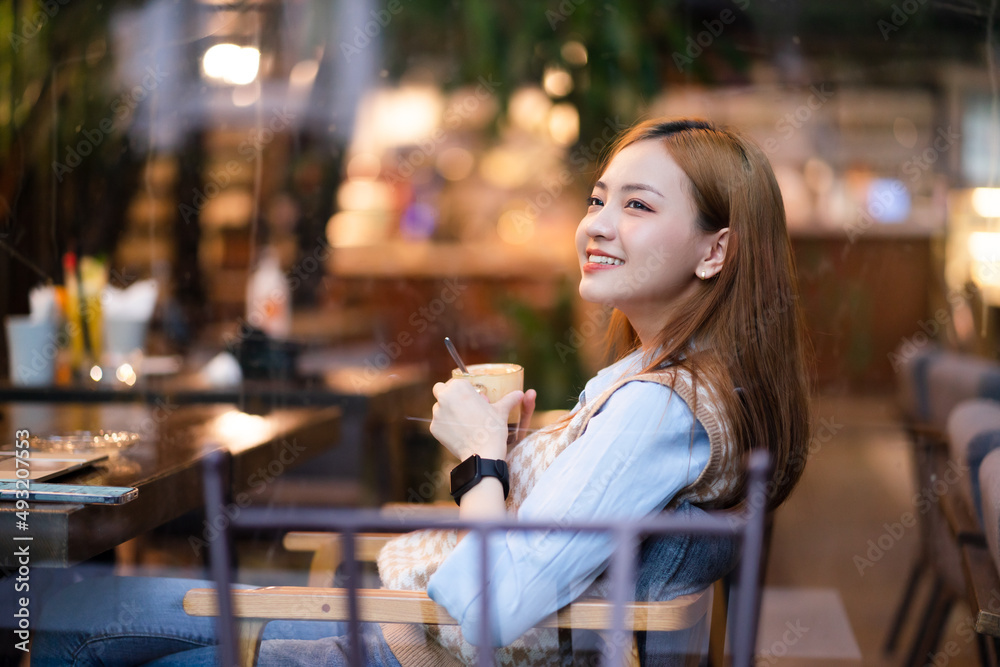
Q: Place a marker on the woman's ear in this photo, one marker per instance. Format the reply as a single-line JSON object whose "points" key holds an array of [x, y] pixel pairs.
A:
{"points": [[715, 254]]}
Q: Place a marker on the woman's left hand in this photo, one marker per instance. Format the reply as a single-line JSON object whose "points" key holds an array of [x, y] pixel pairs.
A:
{"points": [[465, 422]]}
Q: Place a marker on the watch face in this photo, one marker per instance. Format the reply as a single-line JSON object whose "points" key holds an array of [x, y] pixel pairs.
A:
{"points": [[464, 473]]}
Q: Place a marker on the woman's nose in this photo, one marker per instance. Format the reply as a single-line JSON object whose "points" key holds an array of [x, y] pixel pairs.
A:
{"points": [[601, 224]]}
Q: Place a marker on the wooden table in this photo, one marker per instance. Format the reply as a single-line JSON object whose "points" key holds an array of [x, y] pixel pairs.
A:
{"points": [[165, 466], [381, 407]]}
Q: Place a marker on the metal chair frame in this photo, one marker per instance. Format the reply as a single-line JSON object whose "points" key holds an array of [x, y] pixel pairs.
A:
{"points": [[747, 523]]}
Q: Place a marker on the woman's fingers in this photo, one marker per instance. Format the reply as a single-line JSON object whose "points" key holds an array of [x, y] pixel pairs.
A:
{"points": [[527, 410], [507, 403]]}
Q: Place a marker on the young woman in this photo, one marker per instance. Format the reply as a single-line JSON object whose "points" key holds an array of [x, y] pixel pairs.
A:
{"points": [[685, 239]]}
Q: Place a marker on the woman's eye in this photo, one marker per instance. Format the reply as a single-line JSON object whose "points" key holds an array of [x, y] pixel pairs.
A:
{"points": [[634, 203], [594, 201]]}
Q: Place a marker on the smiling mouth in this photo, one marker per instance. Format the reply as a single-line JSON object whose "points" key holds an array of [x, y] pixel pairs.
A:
{"points": [[604, 259]]}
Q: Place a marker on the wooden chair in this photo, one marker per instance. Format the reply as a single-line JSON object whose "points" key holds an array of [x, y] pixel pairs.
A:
{"points": [[251, 609]]}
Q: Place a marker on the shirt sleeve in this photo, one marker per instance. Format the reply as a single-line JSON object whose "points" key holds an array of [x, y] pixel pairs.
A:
{"points": [[636, 453]]}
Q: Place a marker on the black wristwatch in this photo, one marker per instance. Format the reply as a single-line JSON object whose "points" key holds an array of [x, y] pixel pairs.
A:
{"points": [[471, 471]]}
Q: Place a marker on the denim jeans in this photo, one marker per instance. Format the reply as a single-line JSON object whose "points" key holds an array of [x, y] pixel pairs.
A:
{"points": [[118, 621]]}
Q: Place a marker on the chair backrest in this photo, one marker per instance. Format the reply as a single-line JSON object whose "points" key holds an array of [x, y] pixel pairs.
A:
{"points": [[654, 575], [953, 378], [973, 432], [989, 481], [911, 371]]}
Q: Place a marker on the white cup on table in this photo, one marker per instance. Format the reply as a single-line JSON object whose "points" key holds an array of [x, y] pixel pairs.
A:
{"points": [[32, 349]]}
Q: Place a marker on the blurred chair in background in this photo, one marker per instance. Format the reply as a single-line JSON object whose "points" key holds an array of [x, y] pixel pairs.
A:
{"points": [[932, 382]]}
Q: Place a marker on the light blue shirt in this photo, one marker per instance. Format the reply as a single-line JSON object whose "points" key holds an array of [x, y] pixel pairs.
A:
{"points": [[636, 453]]}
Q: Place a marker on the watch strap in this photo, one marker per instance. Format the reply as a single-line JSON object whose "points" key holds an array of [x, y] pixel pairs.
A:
{"points": [[472, 470], [496, 468]]}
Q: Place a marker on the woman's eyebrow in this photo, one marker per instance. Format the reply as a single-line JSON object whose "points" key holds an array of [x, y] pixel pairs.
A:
{"points": [[630, 187]]}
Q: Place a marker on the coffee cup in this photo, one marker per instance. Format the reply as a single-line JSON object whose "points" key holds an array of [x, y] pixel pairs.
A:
{"points": [[494, 381]]}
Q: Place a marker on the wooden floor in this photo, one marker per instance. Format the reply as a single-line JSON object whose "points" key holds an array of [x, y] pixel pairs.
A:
{"points": [[855, 487]]}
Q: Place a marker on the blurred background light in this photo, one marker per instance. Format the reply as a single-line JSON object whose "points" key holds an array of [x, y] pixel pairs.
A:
{"points": [[405, 116], [303, 73], [244, 96], [231, 63], [516, 227], [529, 108], [455, 163], [888, 200], [557, 81], [986, 202], [574, 53], [985, 246], [564, 124], [364, 166], [504, 168]]}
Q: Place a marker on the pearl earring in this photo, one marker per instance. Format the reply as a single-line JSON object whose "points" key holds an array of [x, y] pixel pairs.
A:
{"points": [[702, 274]]}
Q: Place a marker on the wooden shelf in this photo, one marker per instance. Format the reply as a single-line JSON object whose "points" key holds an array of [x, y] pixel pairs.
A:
{"points": [[399, 259]]}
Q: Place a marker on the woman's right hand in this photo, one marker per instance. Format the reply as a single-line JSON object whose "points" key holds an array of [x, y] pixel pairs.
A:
{"points": [[466, 423]]}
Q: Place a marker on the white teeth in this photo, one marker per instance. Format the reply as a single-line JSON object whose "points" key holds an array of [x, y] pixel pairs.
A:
{"points": [[602, 259]]}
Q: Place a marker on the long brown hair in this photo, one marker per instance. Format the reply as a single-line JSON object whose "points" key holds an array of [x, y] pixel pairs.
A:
{"points": [[741, 331]]}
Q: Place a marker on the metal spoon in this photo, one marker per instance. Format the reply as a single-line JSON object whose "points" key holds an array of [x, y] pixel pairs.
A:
{"points": [[454, 355]]}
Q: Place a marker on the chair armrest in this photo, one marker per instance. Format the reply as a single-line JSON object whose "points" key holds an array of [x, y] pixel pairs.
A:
{"points": [[983, 582], [961, 523], [388, 606]]}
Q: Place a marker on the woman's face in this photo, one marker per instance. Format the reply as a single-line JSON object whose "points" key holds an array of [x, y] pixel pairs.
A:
{"points": [[639, 246]]}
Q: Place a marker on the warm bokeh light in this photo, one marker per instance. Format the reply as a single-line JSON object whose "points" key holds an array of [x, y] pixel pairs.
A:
{"points": [[126, 374], [361, 195], [356, 228], [986, 202], [574, 53], [557, 82], [231, 63], [218, 58], [529, 108], [564, 124], [392, 117], [244, 96], [96, 373], [364, 166], [516, 227], [504, 168], [985, 246], [303, 73], [455, 163], [238, 429]]}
